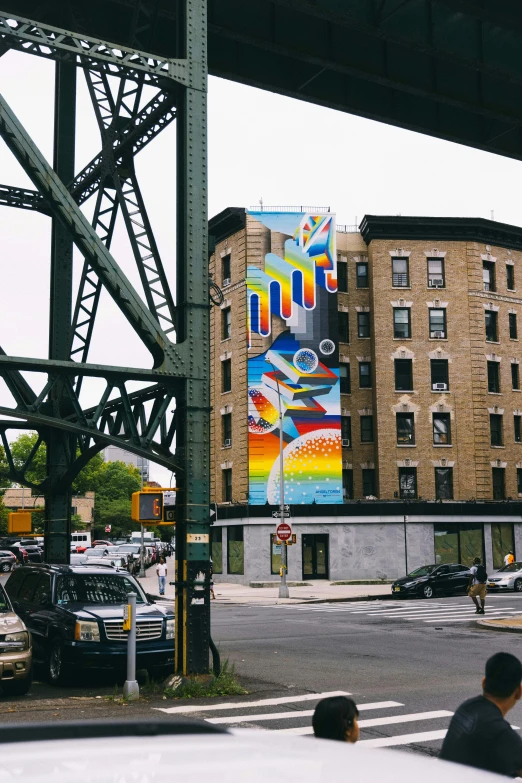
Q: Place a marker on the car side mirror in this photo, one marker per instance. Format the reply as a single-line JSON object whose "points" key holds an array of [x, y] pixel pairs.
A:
{"points": [[44, 599], [150, 598]]}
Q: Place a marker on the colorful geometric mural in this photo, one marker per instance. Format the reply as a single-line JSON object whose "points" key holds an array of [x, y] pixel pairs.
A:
{"points": [[301, 364]]}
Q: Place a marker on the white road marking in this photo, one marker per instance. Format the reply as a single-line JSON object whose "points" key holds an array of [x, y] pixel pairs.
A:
{"points": [[377, 705], [248, 704], [445, 612], [497, 614], [380, 722], [404, 739]]}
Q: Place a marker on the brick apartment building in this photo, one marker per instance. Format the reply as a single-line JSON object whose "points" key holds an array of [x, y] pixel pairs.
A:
{"points": [[431, 417]]}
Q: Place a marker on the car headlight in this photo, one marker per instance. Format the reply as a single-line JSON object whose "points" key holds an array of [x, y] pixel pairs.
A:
{"points": [[409, 584], [86, 631], [21, 638], [170, 629]]}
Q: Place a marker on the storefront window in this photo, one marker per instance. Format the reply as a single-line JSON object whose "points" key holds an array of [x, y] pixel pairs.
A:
{"points": [[216, 549], [235, 548], [459, 543], [503, 541]]}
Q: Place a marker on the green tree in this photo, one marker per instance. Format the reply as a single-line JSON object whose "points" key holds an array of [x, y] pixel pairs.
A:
{"points": [[21, 449], [77, 522], [114, 485], [4, 468], [3, 519]]}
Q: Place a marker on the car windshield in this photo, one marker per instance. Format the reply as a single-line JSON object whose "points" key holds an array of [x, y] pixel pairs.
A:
{"points": [[423, 570], [129, 548], [96, 589], [512, 567], [4, 603]]}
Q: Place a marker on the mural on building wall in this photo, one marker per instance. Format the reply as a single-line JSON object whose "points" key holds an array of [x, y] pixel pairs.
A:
{"points": [[301, 364]]}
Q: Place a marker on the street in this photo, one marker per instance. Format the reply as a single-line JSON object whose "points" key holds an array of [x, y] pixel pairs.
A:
{"points": [[408, 664]]}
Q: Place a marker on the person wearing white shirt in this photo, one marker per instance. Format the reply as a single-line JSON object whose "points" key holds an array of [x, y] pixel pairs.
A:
{"points": [[161, 570]]}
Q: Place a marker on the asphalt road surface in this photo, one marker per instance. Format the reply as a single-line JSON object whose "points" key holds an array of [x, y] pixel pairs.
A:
{"points": [[407, 663]]}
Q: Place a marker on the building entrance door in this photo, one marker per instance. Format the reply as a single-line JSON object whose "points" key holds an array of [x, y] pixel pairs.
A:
{"points": [[315, 556]]}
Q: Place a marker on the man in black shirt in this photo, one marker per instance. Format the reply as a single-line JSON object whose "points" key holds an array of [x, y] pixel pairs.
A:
{"points": [[478, 735]]}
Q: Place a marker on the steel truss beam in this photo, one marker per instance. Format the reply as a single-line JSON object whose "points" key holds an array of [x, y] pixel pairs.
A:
{"points": [[53, 43]]}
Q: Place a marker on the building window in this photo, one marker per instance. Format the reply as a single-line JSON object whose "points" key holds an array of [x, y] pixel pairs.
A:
{"points": [[365, 375], [226, 323], [515, 376], [444, 483], [344, 371], [436, 273], [491, 319], [366, 429], [503, 541], [459, 543], [363, 324], [437, 318], [361, 274], [347, 484], [400, 273], [519, 481], [439, 374], [227, 485], [216, 549], [495, 428], [510, 277], [499, 483], [402, 322], [494, 377], [342, 276], [488, 276], [343, 326], [346, 432], [518, 433], [403, 374], [225, 270], [226, 375], [408, 482], [513, 334], [405, 429], [235, 550], [368, 482], [441, 429], [226, 429]]}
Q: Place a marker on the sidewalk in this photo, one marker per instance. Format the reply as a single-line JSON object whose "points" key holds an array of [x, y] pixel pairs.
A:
{"points": [[315, 591]]}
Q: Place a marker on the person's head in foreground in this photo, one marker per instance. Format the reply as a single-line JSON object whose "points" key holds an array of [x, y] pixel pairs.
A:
{"points": [[335, 718], [502, 683]]}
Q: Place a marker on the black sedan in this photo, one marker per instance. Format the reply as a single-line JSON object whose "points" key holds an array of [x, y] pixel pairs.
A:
{"points": [[428, 580], [75, 616]]}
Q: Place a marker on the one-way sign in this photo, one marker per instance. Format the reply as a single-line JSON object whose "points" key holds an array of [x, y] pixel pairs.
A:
{"points": [[277, 514]]}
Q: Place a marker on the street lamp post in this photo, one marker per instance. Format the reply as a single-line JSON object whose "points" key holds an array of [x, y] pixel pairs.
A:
{"points": [[283, 587]]}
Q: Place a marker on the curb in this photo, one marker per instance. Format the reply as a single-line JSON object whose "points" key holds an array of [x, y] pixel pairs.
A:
{"points": [[509, 628], [351, 599]]}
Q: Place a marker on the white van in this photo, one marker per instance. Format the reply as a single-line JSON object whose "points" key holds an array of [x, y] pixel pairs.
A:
{"points": [[82, 540]]}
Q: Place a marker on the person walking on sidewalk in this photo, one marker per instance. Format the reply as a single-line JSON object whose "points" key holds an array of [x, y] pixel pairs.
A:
{"points": [[161, 570], [509, 558], [335, 718], [477, 585], [478, 735]]}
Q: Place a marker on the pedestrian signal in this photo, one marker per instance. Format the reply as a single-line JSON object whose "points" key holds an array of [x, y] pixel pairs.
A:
{"points": [[147, 506]]}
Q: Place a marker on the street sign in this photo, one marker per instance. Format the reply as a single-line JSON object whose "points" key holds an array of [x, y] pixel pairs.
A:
{"points": [[283, 531], [277, 514], [169, 498]]}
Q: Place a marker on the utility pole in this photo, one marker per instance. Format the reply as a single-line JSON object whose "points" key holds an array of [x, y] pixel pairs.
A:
{"points": [[283, 587]]}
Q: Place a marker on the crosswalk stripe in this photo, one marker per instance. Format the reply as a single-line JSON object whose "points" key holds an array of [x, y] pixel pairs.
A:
{"points": [[445, 612], [498, 615], [248, 704], [404, 739], [417, 716], [378, 705]]}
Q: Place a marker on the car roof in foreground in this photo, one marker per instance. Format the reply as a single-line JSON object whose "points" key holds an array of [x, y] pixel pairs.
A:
{"points": [[77, 568], [103, 751]]}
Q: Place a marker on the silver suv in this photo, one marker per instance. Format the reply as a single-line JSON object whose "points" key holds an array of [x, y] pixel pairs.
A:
{"points": [[15, 651]]}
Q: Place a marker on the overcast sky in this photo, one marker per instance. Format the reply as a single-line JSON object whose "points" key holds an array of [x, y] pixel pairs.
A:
{"points": [[261, 145]]}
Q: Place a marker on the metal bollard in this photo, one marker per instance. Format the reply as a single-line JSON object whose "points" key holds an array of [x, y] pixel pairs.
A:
{"points": [[131, 689]]}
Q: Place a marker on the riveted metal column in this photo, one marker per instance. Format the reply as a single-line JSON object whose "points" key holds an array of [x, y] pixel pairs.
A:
{"points": [[61, 446], [193, 448]]}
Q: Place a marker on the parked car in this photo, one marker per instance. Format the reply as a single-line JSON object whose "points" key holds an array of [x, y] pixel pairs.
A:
{"points": [[508, 577], [101, 542], [34, 553], [7, 561], [428, 580], [75, 616], [108, 561], [15, 650], [18, 551], [78, 559]]}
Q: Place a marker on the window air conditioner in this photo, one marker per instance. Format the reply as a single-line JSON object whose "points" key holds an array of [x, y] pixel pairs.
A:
{"points": [[436, 282], [226, 281], [438, 334], [440, 386], [346, 442], [228, 442]]}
